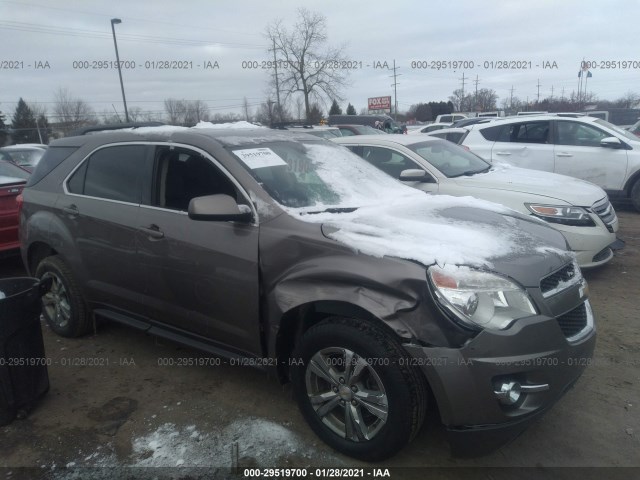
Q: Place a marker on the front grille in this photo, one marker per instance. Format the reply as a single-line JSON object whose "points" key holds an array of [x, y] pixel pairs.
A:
{"points": [[560, 280], [605, 211], [574, 322]]}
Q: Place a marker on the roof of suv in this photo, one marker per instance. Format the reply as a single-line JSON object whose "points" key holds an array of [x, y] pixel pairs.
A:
{"points": [[227, 136]]}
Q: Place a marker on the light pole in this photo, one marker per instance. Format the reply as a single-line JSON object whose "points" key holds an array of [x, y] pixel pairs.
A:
{"points": [[113, 30]]}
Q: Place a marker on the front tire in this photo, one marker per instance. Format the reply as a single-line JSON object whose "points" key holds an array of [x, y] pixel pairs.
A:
{"points": [[355, 388], [63, 306], [635, 195]]}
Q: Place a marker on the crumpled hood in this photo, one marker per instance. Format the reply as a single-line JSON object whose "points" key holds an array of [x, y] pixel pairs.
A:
{"points": [[556, 187], [451, 230]]}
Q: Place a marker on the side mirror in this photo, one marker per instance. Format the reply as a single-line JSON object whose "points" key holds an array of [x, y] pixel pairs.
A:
{"points": [[415, 175], [611, 142], [219, 208]]}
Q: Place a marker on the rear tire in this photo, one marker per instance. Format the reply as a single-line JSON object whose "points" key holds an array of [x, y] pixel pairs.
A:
{"points": [[63, 307], [367, 409], [635, 195]]}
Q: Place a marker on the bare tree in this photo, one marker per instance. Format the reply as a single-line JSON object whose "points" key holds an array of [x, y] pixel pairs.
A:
{"points": [[628, 100], [308, 64], [461, 103], [485, 100], [186, 112], [197, 111], [72, 112], [176, 110]]}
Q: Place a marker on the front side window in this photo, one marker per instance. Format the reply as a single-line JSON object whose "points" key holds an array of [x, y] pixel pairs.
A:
{"points": [[579, 134], [182, 174], [451, 160], [113, 173]]}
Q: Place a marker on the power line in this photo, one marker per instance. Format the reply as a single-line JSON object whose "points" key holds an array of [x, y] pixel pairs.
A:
{"points": [[144, 20], [79, 32]]}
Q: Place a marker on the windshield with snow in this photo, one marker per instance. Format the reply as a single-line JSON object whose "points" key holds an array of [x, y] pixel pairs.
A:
{"points": [[317, 175], [451, 160]]}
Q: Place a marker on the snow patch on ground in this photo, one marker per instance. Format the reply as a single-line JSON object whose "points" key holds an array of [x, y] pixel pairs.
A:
{"points": [[263, 442]]}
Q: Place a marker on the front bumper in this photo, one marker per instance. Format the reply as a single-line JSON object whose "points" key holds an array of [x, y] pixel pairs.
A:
{"points": [[532, 352], [590, 244]]}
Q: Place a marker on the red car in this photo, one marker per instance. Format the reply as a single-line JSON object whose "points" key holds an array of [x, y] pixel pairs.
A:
{"points": [[12, 181]]}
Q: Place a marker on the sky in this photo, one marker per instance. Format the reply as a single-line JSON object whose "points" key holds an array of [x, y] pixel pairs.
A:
{"points": [[49, 45]]}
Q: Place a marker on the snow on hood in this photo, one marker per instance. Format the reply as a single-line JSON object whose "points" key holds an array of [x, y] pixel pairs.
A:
{"points": [[424, 229]]}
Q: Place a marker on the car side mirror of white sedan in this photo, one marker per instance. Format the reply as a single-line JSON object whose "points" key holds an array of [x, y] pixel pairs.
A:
{"points": [[611, 142], [415, 175]]}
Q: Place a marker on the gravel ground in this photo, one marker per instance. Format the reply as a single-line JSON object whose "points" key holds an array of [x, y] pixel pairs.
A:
{"points": [[121, 401]]}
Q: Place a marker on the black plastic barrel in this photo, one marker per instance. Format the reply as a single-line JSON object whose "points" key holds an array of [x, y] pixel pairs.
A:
{"points": [[24, 377]]}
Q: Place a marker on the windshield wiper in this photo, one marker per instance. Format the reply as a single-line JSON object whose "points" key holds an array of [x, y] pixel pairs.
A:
{"points": [[333, 210], [469, 173]]}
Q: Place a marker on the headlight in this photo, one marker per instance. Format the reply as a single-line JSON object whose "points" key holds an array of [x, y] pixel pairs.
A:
{"points": [[576, 216], [480, 299]]}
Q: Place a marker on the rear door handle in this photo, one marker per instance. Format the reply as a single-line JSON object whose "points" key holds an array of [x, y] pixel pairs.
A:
{"points": [[503, 153], [564, 154], [153, 231], [71, 210]]}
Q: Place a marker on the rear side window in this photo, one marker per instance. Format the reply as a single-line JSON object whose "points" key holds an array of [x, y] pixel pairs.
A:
{"points": [[53, 157], [525, 132], [492, 133], [113, 173]]}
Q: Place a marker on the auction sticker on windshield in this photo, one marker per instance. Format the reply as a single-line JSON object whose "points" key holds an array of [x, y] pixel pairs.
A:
{"points": [[259, 158]]}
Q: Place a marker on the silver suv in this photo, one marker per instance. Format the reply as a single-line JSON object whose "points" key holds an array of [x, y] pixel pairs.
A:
{"points": [[584, 147], [296, 256]]}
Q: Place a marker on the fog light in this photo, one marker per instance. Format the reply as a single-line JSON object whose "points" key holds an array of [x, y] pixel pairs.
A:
{"points": [[509, 393]]}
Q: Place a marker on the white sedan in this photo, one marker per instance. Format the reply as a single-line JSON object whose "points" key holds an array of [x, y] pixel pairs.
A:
{"points": [[579, 209]]}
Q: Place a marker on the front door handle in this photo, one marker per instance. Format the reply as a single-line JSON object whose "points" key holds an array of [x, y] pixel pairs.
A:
{"points": [[503, 153], [564, 154], [153, 231]]}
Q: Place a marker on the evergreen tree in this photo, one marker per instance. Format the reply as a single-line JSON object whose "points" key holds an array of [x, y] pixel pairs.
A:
{"points": [[45, 129], [335, 109], [4, 134], [24, 124], [351, 110]]}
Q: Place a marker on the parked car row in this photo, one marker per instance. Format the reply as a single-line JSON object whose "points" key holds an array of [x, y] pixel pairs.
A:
{"points": [[292, 253], [12, 181], [578, 209], [583, 147], [25, 155]]}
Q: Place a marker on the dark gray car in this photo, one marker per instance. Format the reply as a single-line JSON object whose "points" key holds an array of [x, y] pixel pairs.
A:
{"points": [[286, 252]]}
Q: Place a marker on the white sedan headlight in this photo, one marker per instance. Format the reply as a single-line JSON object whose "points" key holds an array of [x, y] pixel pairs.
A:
{"points": [[480, 299], [576, 216]]}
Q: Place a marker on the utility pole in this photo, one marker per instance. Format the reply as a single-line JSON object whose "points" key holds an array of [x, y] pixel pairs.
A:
{"points": [[269, 106], [395, 90], [462, 97], [551, 92], [538, 97], [562, 95], [511, 99], [275, 66], [476, 99]]}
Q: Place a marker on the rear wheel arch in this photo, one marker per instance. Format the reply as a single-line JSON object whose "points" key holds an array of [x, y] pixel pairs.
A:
{"points": [[37, 252]]}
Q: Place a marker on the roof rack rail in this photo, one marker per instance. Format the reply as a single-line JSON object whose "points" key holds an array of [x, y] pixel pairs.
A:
{"points": [[113, 126], [285, 125]]}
